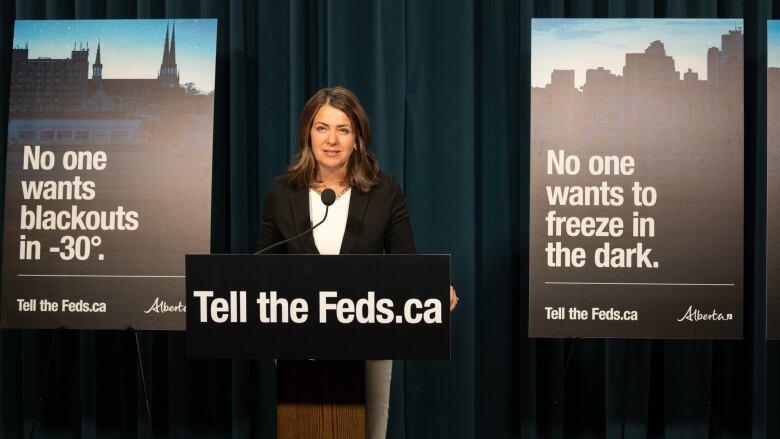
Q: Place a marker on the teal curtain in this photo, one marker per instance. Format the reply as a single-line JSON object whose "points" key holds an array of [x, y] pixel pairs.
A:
{"points": [[446, 84]]}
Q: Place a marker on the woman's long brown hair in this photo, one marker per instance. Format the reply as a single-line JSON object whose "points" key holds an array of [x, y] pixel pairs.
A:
{"points": [[362, 167]]}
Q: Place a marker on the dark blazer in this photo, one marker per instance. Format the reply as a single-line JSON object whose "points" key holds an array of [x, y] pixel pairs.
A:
{"points": [[377, 222]]}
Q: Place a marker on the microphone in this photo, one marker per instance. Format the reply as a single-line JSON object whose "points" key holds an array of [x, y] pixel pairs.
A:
{"points": [[328, 197]]}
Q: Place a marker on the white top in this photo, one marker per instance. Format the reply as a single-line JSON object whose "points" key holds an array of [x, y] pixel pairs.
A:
{"points": [[328, 236]]}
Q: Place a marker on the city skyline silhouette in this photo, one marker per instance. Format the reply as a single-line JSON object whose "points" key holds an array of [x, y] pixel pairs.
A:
{"points": [[130, 49], [560, 43]]}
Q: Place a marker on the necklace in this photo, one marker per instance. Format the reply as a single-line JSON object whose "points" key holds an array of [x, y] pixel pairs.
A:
{"points": [[319, 187]]}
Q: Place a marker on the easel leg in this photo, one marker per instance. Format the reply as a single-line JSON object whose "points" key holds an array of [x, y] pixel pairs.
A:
{"points": [[569, 356], [625, 390], [706, 389], [45, 381], [121, 384], [143, 381]]}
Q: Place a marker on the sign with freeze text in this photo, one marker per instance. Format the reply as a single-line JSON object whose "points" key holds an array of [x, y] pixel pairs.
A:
{"points": [[636, 179], [108, 171], [347, 307]]}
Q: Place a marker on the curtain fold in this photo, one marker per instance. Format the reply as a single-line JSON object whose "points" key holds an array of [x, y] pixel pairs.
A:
{"points": [[446, 85], [440, 191]]}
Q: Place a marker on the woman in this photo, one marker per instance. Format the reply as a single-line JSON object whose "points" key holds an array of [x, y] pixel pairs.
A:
{"points": [[333, 140]]}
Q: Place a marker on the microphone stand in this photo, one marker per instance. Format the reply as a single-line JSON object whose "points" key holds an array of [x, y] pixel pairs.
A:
{"points": [[328, 197], [296, 236]]}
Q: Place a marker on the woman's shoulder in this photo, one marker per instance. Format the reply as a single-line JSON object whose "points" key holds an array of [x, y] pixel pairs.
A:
{"points": [[281, 183], [279, 189], [386, 184], [384, 180]]}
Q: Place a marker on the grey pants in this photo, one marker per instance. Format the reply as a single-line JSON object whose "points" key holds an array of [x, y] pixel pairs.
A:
{"points": [[378, 375]]}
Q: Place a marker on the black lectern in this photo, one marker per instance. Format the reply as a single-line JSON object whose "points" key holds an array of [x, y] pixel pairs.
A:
{"points": [[316, 309]]}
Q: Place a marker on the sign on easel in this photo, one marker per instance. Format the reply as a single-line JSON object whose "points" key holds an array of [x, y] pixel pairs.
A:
{"points": [[773, 181], [108, 171], [636, 223]]}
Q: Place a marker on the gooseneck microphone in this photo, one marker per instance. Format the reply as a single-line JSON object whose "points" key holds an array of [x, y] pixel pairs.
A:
{"points": [[328, 197]]}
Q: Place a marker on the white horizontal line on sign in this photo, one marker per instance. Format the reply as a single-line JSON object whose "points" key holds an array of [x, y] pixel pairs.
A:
{"points": [[640, 283], [93, 275]]}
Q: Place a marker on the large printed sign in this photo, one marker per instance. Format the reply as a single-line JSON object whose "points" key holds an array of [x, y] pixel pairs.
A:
{"points": [[636, 179], [108, 172], [773, 181]]}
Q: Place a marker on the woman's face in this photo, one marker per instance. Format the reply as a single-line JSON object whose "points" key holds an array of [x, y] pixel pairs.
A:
{"points": [[332, 139]]}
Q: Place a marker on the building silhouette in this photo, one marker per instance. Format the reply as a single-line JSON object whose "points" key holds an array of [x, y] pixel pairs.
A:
{"points": [[52, 85], [53, 101], [649, 105], [652, 71], [48, 84], [169, 73]]}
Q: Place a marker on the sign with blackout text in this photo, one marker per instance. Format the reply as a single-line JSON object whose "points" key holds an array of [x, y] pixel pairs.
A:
{"points": [[108, 171], [318, 306]]}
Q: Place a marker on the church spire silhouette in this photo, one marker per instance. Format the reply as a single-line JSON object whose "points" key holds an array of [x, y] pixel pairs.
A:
{"points": [[97, 67], [169, 72]]}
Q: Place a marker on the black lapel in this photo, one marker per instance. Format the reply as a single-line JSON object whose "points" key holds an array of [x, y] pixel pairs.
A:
{"points": [[299, 204], [358, 202]]}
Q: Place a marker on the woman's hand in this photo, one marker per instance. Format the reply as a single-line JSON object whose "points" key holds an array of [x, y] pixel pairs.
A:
{"points": [[453, 298]]}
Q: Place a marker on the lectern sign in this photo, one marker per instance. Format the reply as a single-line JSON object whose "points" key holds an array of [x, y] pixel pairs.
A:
{"points": [[324, 307], [636, 224]]}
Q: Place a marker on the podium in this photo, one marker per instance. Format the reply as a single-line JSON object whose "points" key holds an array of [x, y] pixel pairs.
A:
{"points": [[336, 310], [320, 399]]}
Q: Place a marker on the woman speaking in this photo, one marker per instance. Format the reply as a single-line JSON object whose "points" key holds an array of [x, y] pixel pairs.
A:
{"points": [[369, 214]]}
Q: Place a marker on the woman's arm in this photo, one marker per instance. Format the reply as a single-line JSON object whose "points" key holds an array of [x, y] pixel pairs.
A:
{"points": [[269, 232], [398, 235]]}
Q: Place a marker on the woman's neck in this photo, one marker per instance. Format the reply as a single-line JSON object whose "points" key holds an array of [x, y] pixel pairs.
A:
{"points": [[332, 179]]}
